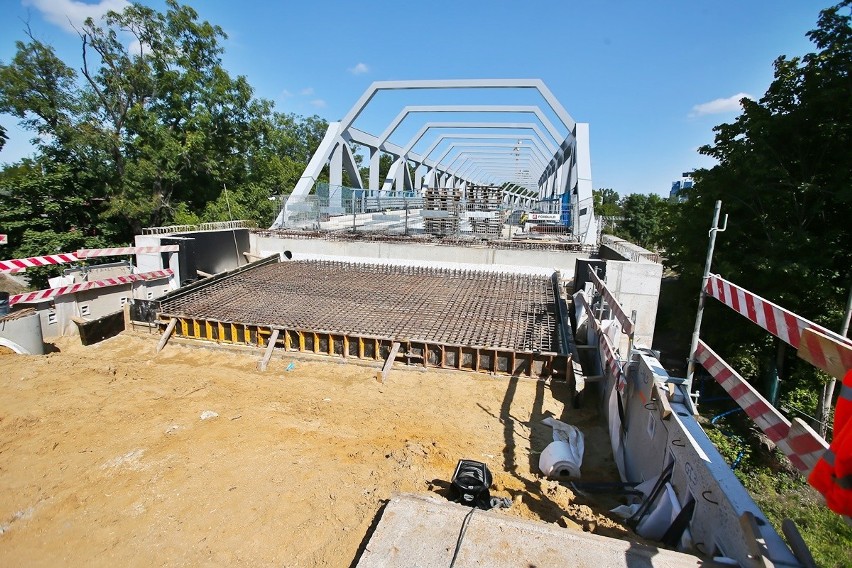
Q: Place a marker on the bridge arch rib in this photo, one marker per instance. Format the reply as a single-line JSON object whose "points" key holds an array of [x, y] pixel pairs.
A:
{"points": [[565, 174]]}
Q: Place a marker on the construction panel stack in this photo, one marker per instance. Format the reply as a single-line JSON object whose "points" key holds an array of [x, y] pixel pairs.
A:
{"points": [[483, 205], [441, 211]]}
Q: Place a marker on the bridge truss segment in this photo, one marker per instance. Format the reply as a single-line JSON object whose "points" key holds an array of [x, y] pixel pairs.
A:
{"points": [[566, 173]]}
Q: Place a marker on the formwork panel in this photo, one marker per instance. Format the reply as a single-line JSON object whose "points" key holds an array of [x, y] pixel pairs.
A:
{"points": [[463, 319]]}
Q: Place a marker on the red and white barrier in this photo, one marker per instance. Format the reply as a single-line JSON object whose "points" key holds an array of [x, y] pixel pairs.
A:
{"points": [[786, 326], [607, 351], [616, 308], [823, 352], [799, 442], [17, 264], [42, 295], [91, 253], [781, 323]]}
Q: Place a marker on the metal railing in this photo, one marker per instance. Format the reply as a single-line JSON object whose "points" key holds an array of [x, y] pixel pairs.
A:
{"points": [[212, 226]]}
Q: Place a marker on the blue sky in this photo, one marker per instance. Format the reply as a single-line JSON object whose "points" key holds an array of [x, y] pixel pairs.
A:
{"points": [[651, 78]]}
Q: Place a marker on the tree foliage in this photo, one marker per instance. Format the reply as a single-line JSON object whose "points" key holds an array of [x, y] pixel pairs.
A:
{"points": [[640, 218], [606, 202], [783, 176], [646, 220], [152, 129]]}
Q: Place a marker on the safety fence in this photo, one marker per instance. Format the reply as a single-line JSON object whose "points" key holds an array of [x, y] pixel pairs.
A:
{"points": [[618, 311], [396, 213], [50, 293], [20, 264], [819, 346], [211, 226]]}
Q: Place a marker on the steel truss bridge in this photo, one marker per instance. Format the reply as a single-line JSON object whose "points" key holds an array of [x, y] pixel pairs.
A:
{"points": [[538, 165]]}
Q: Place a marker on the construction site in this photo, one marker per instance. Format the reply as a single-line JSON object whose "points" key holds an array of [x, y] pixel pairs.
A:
{"points": [[437, 371]]}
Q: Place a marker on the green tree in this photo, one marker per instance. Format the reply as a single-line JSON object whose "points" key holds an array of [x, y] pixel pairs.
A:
{"points": [[46, 211], [606, 202], [157, 130], [646, 219], [148, 134], [783, 175]]}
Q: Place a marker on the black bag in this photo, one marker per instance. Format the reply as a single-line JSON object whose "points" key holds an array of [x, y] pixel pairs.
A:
{"points": [[470, 484]]}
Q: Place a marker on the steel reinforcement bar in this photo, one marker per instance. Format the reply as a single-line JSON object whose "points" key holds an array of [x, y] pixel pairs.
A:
{"points": [[419, 353]]}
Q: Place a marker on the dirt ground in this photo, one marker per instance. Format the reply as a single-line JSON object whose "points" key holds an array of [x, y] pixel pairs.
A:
{"points": [[105, 459]]}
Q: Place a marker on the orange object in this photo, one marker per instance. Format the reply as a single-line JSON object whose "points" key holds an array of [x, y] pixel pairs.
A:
{"points": [[832, 475]]}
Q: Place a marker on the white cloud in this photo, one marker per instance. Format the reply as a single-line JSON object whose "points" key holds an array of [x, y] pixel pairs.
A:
{"points": [[359, 69], [318, 103], [136, 47], [307, 91], [719, 106], [70, 14], [285, 94]]}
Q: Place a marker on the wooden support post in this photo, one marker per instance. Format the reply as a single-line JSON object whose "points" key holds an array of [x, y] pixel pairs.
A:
{"points": [[662, 396], [383, 374], [166, 334], [755, 542], [269, 348]]}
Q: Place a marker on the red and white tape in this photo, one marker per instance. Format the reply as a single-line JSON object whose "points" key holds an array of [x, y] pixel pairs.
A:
{"points": [[616, 308], [42, 295], [799, 443], [90, 253], [18, 264], [608, 359]]}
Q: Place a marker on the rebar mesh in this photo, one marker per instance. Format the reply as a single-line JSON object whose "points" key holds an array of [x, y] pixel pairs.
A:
{"points": [[453, 307]]}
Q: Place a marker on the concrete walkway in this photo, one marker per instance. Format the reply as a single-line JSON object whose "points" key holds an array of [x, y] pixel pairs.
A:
{"points": [[423, 531]]}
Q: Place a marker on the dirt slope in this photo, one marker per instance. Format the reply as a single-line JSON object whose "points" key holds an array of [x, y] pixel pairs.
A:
{"points": [[105, 460]]}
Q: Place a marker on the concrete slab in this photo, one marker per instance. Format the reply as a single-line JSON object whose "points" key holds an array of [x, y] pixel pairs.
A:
{"points": [[423, 531]]}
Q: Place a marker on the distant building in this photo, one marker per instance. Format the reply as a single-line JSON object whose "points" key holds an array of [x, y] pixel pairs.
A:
{"points": [[678, 187]]}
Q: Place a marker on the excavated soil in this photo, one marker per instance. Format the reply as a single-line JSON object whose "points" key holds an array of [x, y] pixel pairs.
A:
{"points": [[105, 459]]}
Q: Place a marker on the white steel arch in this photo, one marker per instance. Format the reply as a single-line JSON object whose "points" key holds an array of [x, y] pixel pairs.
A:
{"points": [[567, 173]]}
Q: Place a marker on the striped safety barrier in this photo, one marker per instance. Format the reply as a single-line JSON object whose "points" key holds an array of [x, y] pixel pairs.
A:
{"points": [[42, 295], [607, 351], [823, 352], [91, 253], [616, 308], [781, 323], [17, 264], [796, 439]]}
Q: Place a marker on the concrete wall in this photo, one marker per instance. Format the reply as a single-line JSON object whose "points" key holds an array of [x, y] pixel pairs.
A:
{"points": [[651, 441], [57, 315], [208, 251], [22, 332], [535, 260], [637, 287]]}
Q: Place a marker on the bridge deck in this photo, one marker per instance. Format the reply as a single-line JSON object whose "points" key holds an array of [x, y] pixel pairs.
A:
{"points": [[463, 319]]}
